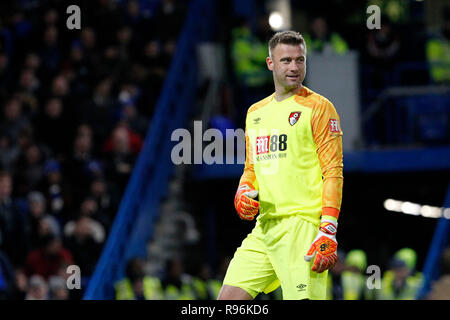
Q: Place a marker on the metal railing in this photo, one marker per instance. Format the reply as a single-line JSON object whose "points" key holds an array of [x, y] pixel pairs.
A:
{"points": [[391, 119]]}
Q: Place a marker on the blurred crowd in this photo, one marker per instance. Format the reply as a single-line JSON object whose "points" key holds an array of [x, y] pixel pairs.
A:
{"points": [[389, 56], [171, 283], [75, 106], [350, 279]]}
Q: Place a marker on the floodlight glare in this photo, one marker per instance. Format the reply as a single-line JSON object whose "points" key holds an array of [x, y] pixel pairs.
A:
{"points": [[276, 20]]}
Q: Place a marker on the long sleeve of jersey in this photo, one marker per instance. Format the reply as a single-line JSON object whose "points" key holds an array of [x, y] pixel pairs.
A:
{"points": [[248, 177], [327, 135]]}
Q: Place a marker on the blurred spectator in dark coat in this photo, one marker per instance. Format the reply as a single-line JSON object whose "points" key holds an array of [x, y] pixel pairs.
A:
{"points": [[50, 51], [84, 237], [46, 260], [14, 230], [32, 62], [97, 112], [60, 88], [111, 64], [21, 28], [49, 17], [20, 284], [81, 68], [121, 152], [101, 193], [25, 138], [135, 121], [154, 69], [52, 127], [75, 166], [29, 169], [13, 120], [124, 42], [6, 75], [55, 189], [28, 82], [90, 208], [88, 40], [9, 152], [41, 223], [7, 278], [28, 91], [168, 51], [129, 97]]}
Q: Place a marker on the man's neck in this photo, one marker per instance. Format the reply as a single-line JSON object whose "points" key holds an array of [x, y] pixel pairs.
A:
{"points": [[281, 93]]}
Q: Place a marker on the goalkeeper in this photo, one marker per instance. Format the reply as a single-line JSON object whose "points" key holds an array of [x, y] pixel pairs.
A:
{"points": [[293, 179]]}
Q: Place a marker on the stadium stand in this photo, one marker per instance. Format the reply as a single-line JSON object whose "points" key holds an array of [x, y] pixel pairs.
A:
{"points": [[86, 175]]}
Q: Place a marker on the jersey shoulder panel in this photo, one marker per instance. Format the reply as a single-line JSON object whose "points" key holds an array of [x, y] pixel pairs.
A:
{"points": [[308, 98], [260, 104]]}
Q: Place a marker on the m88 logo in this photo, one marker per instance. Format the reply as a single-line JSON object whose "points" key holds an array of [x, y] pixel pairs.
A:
{"points": [[273, 143]]}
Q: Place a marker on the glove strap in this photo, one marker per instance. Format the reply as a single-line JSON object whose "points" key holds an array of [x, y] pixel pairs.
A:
{"points": [[328, 227], [245, 186]]}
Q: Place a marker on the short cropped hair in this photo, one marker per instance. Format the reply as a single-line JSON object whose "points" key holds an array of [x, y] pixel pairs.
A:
{"points": [[286, 37]]}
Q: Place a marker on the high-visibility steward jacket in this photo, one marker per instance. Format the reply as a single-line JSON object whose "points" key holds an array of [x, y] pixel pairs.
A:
{"points": [[438, 57], [336, 42], [249, 58], [214, 287], [352, 285], [409, 291], [205, 290], [184, 292], [152, 289]]}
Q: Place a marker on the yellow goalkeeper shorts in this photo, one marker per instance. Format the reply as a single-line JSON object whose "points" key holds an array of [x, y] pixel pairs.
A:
{"points": [[273, 255]]}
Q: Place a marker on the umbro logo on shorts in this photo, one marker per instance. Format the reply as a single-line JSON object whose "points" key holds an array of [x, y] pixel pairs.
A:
{"points": [[301, 287]]}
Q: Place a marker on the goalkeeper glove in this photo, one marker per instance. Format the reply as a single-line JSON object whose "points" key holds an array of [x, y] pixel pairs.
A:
{"points": [[323, 249], [246, 207]]}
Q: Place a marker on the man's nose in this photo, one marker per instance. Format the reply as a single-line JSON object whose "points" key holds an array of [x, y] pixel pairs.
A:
{"points": [[293, 66]]}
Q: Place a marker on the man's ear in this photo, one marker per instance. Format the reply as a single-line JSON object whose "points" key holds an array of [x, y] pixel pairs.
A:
{"points": [[269, 62]]}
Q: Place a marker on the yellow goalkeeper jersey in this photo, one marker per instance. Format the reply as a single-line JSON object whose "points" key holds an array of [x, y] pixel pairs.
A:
{"points": [[294, 155]]}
